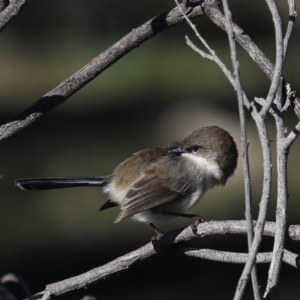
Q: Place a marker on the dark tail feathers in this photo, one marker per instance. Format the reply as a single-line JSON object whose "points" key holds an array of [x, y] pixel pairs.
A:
{"points": [[59, 182]]}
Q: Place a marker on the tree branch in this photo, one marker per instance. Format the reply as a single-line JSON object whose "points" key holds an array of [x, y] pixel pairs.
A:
{"points": [[279, 59], [129, 42], [267, 165], [290, 26], [263, 206], [282, 196], [95, 67], [289, 257], [244, 144], [174, 237], [217, 17], [8, 12]]}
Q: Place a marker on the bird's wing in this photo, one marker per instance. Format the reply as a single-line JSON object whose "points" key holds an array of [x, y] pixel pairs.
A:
{"points": [[154, 188]]}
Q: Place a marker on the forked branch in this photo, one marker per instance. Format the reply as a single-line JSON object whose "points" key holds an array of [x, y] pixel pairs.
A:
{"points": [[165, 243]]}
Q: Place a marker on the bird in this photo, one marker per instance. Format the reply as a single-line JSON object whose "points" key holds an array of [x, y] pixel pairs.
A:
{"points": [[159, 183]]}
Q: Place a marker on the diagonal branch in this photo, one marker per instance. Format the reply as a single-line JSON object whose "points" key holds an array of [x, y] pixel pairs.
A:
{"points": [[94, 68], [9, 11], [129, 42]]}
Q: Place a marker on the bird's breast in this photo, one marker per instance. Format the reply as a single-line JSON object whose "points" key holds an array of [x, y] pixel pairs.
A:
{"points": [[204, 172]]}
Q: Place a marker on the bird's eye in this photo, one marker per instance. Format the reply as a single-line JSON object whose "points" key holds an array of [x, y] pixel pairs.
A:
{"points": [[195, 149]]}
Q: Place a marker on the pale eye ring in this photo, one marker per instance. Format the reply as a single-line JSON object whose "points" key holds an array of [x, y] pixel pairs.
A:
{"points": [[195, 149]]}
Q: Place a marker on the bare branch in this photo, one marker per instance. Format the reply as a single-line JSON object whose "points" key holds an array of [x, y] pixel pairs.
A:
{"points": [[267, 166], [263, 206], [91, 70], [282, 195], [10, 11], [291, 23], [100, 63], [131, 259], [289, 258], [215, 14], [279, 58], [212, 56], [266, 154], [244, 143], [282, 154], [274, 109]]}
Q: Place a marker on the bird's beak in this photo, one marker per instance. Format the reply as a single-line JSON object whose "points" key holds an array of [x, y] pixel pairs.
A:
{"points": [[177, 151]]}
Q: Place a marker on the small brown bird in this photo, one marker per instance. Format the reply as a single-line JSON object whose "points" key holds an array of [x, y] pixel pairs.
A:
{"points": [[156, 183]]}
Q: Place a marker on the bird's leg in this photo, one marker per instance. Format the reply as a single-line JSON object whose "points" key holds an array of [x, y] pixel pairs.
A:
{"points": [[197, 219], [158, 235]]}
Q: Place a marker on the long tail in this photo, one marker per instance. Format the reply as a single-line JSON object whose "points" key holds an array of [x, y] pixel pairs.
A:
{"points": [[59, 182]]}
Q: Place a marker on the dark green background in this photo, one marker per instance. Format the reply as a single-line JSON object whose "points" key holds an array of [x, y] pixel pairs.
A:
{"points": [[156, 94]]}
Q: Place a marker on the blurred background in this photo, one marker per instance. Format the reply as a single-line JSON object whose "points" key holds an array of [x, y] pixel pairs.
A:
{"points": [[156, 94]]}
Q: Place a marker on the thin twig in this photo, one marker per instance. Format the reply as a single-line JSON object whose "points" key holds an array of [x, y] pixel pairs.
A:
{"points": [[282, 195], [279, 58], [244, 143], [267, 179], [289, 257], [290, 26], [263, 206], [278, 248], [221, 65], [3, 4], [212, 56], [266, 154], [217, 17]]}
